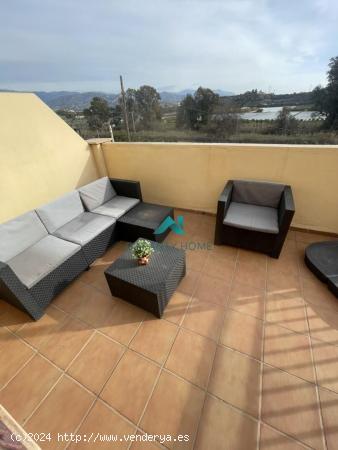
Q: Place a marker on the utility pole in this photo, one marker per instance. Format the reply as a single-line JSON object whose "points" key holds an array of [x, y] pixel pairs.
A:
{"points": [[133, 121], [124, 107]]}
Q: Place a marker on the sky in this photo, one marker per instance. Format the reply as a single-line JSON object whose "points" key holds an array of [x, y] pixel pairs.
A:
{"points": [[234, 45]]}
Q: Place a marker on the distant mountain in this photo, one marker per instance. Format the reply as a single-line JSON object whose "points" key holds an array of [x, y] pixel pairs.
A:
{"points": [[77, 101]]}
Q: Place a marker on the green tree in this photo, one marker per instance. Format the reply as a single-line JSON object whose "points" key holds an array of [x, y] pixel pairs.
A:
{"points": [[224, 120], [194, 111], [286, 123], [98, 114], [205, 100], [187, 114], [326, 99], [147, 106]]}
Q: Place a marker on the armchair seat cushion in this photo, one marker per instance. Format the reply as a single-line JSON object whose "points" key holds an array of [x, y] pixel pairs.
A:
{"points": [[84, 228], [252, 217], [116, 207], [37, 261], [97, 193]]}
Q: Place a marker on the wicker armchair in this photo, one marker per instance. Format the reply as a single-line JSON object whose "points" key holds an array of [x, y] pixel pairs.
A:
{"points": [[254, 215]]}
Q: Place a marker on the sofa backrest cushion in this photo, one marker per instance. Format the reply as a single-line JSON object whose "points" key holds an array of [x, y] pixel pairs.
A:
{"points": [[61, 211], [97, 193], [261, 193], [18, 234]]}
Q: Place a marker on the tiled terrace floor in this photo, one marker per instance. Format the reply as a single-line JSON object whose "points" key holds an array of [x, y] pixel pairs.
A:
{"points": [[245, 357]]}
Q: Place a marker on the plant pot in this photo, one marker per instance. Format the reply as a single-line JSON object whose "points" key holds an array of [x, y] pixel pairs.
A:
{"points": [[143, 261]]}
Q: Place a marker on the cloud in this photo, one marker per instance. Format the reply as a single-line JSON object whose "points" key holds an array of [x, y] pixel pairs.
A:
{"points": [[232, 45]]}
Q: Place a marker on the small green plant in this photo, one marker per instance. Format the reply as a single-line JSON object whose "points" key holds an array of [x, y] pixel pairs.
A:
{"points": [[142, 249]]}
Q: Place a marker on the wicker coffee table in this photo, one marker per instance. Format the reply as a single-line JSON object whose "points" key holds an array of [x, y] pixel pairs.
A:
{"points": [[151, 286], [142, 221]]}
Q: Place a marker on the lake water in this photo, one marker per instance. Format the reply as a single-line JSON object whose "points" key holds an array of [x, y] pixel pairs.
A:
{"points": [[272, 113]]}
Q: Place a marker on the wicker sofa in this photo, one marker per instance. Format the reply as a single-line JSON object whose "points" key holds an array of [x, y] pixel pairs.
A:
{"points": [[254, 215], [42, 251]]}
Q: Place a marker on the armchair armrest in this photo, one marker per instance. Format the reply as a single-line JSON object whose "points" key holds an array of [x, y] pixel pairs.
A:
{"points": [[127, 188], [222, 207], [286, 209], [16, 293], [224, 199]]}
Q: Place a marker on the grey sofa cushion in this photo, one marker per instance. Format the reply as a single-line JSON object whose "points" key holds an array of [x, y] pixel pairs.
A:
{"points": [[84, 228], [116, 207], [40, 259], [261, 193], [252, 217], [57, 213], [97, 193], [20, 233]]}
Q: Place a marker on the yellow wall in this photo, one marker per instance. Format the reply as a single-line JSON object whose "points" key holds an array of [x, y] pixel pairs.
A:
{"points": [[41, 157], [191, 176]]}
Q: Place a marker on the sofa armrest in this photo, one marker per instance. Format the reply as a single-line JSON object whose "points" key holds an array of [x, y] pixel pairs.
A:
{"points": [[127, 188], [286, 209], [16, 293]]}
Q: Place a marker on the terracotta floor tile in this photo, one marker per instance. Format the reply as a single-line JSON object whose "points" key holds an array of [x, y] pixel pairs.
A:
{"points": [[95, 307], [102, 421], [290, 405], [123, 321], [251, 273], [212, 289], [154, 339], [222, 428], [113, 253], [94, 365], [288, 351], [287, 310], [323, 324], [130, 385], [287, 261], [283, 282], [235, 378], [191, 357], [176, 308], [28, 388], [204, 318], [71, 298], [329, 405], [144, 445], [309, 237], [61, 412], [188, 284], [95, 273], [66, 342], [272, 440], [174, 408], [250, 257], [102, 286], [220, 267], [12, 317], [195, 259], [247, 299], [326, 362], [13, 355], [36, 333], [243, 333], [224, 251], [317, 294]]}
